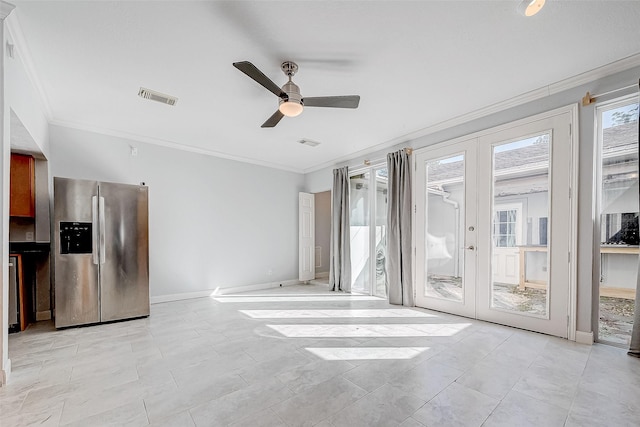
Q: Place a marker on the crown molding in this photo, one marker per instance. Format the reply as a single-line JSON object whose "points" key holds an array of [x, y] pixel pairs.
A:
{"points": [[595, 74], [21, 46], [170, 144], [543, 92], [5, 9]]}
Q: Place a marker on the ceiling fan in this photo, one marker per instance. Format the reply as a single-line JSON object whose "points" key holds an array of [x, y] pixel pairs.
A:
{"points": [[291, 102]]}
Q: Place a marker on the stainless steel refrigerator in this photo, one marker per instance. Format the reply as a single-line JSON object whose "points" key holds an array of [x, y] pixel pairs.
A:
{"points": [[101, 251]]}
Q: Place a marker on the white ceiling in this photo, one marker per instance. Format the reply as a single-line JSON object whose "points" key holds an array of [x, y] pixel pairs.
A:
{"points": [[414, 64]]}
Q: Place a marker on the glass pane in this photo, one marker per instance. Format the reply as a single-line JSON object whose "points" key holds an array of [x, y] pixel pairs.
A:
{"points": [[618, 222], [444, 254], [520, 175], [381, 232], [359, 222]]}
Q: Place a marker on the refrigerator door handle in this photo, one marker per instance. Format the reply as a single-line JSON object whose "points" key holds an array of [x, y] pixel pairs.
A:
{"points": [[94, 231], [103, 248]]}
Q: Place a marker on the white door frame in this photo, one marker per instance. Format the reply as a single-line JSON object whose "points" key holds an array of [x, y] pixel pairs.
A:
{"points": [[572, 111]]}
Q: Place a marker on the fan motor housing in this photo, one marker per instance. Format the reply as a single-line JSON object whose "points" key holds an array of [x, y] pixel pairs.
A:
{"points": [[293, 92]]}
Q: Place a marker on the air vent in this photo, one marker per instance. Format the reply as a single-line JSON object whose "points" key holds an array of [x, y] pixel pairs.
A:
{"points": [[157, 96], [309, 142]]}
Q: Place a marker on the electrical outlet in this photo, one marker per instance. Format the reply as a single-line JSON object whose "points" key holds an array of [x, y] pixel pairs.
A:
{"points": [[29, 236]]}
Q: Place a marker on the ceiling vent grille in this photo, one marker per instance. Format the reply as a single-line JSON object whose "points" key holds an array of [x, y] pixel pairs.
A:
{"points": [[157, 96], [309, 142]]}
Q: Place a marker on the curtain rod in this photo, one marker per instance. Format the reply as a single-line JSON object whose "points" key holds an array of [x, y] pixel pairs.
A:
{"points": [[589, 99], [368, 162]]}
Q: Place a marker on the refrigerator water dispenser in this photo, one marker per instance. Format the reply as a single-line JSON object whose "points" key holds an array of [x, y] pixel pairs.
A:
{"points": [[75, 238]]}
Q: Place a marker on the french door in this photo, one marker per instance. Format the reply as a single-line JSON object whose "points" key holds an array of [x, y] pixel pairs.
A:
{"points": [[446, 228], [368, 230], [493, 225]]}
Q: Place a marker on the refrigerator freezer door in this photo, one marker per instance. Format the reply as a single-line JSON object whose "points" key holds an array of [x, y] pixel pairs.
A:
{"points": [[76, 276], [124, 268]]}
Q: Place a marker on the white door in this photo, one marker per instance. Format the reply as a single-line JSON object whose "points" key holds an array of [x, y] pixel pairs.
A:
{"points": [[445, 228], [527, 166], [493, 225], [306, 237]]}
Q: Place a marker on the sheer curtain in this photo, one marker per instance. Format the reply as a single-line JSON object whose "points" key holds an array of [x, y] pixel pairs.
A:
{"points": [[398, 261], [339, 246], [634, 348]]}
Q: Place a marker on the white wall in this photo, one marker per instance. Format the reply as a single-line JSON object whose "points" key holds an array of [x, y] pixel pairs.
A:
{"points": [[18, 95], [213, 222], [587, 270], [24, 100], [321, 180]]}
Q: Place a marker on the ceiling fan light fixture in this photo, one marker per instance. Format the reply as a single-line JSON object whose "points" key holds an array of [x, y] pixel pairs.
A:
{"points": [[291, 108], [530, 7], [290, 102]]}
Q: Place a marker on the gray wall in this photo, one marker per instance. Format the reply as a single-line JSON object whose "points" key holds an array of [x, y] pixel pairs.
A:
{"points": [[213, 222], [587, 292]]}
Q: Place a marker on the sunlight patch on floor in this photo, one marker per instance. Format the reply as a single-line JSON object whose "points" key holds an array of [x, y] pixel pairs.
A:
{"points": [[366, 353], [289, 298], [346, 313], [371, 331]]}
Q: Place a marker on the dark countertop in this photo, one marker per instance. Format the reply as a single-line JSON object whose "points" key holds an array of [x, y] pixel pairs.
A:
{"points": [[29, 247]]}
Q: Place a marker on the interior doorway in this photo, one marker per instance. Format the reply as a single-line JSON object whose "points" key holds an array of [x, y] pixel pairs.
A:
{"points": [[323, 233]]}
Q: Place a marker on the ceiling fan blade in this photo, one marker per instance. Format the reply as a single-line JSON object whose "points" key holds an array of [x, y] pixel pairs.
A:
{"points": [[252, 71], [273, 120], [350, 101]]}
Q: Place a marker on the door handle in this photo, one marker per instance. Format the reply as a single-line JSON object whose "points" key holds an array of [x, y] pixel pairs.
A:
{"points": [[94, 230], [103, 249], [471, 248]]}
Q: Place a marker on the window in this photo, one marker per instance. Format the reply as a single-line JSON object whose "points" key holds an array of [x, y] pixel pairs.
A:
{"points": [[505, 228], [618, 219]]}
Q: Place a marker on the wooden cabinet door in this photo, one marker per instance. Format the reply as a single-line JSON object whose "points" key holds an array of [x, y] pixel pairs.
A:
{"points": [[22, 201]]}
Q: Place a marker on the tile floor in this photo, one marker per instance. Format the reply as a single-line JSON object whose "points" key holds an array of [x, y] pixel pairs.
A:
{"points": [[301, 355]]}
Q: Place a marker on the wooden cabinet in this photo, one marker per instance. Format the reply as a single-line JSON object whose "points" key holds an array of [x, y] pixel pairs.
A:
{"points": [[22, 201]]}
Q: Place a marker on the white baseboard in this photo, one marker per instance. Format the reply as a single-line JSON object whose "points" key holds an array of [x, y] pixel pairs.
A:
{"points": [[221, 291], [5, 374], [322, 275], [584, 337], [43, 315]]}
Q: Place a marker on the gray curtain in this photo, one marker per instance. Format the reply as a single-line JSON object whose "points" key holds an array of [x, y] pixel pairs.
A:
{"points": [[398, 260], [339, 247], [634, 349]]}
